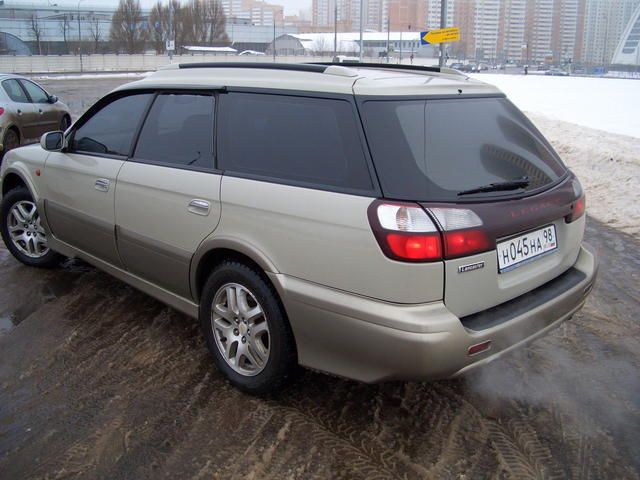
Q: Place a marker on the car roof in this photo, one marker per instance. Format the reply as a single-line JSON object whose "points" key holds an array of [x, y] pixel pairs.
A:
{"points": [[339, 78], [4, 76]]}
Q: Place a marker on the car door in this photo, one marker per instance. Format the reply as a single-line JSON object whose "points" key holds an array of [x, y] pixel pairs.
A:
{"points": [[46, 115], [80, 182], [168, 195], [25, 113]]}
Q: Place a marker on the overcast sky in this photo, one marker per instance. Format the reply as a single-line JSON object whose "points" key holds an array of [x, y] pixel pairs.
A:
{"points": [[290, 6]]}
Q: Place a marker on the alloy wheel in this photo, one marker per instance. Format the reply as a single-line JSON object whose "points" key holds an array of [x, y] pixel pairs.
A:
{"points": [[240, 329], [26, 231]]}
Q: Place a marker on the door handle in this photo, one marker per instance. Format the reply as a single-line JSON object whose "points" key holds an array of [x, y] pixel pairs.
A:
{"points": [[102, 184], [40, 111], [19, 112], [199, 207]]}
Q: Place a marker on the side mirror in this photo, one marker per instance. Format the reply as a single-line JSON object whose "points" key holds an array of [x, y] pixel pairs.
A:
{"points": [[53, 99], [52, 141]]}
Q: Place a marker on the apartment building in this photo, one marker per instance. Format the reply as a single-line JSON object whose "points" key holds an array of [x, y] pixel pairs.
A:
{"points": [[523, 31], [253, 11]]}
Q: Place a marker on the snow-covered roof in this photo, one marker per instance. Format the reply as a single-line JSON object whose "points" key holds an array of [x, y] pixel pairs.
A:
{"points": [[210, 49], [355, 36]]}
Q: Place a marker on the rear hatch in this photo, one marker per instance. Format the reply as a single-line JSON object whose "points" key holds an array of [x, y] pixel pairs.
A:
{"points": [[509, 212]]}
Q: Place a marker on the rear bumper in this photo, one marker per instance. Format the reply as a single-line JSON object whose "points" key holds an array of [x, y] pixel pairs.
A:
{"points": [[373, 341]]}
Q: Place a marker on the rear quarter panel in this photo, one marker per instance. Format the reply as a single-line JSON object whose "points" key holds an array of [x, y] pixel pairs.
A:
{"points": [[322, 237]]}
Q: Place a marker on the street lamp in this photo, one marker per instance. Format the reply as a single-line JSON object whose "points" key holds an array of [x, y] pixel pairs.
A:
{"points": [[79, 36]]}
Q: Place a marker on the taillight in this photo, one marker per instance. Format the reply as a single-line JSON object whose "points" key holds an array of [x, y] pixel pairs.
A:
{"points": [[415, 247], [461, 232], [1, 110], [579, 206], [408, 232], [405, 232]]}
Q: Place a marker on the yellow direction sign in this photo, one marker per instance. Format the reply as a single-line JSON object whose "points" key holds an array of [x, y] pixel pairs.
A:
{"points": [[440, 36]]}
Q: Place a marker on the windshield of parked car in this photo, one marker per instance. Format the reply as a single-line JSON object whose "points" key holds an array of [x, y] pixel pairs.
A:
{"points": [[432, 150]]}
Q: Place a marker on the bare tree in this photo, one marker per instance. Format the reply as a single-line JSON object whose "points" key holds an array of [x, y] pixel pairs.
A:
{"points": [[96, 33], [126, 32], [65, 27], [37, 30], [158, 22], [195, 22], [216, 22]]}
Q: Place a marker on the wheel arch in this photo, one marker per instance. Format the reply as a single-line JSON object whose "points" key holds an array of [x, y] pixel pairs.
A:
{"points": [[13, 179], [217, 250]]}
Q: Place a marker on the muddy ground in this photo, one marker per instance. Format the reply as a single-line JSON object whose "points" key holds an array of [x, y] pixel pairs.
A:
{"points": [[98, 380]]}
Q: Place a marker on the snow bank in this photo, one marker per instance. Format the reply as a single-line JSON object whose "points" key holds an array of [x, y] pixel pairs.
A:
{"points": [[608, 166], [608, 104]]}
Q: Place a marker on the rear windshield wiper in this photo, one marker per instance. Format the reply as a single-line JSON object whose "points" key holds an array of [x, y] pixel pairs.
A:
{"points": [[514, 184]]}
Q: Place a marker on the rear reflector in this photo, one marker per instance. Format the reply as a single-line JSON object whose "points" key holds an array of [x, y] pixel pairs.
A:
{"points": [[479, 347], [577, 209]]}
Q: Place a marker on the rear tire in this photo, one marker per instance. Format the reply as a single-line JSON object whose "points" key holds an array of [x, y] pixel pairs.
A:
{"points": [[10, 141], [236, 299], [22, 231]]}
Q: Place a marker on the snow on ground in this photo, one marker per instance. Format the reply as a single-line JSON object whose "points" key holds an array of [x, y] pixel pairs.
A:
{"points": [[87, 76], [608, 104], [607, 164]]}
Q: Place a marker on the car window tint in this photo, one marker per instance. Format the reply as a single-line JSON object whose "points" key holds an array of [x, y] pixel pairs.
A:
{"points": [[430, 150], [112, 128], [15, 92], [311, 140], [37, 94], [179, 131]]}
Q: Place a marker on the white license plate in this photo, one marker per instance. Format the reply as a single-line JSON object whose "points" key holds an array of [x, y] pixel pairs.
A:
{"points": [[522, 249]]}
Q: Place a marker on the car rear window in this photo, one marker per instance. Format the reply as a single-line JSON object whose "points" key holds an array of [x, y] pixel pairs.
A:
{"points": [[431, 150]]}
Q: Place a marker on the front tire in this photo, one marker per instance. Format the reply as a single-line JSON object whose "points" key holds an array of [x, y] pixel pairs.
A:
{"points": [[22, 231], [246, 329]]}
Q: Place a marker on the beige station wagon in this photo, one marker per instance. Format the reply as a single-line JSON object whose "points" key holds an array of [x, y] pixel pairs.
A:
{"points": [[374, 222]]}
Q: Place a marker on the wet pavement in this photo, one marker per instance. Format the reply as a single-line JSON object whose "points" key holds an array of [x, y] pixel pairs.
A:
{"points": [[98, 380]]}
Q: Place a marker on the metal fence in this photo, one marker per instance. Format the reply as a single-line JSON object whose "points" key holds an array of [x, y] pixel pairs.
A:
{"points": [[127, 63]]}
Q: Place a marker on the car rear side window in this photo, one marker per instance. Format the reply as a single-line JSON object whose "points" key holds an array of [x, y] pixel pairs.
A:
{"points": [[178, 131], [15, 91], [111, 129], [314, 141], [433, 150]]}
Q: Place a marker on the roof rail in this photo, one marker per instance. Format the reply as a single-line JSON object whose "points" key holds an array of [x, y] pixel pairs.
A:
{"points": [[298, 67], [393, 66]]}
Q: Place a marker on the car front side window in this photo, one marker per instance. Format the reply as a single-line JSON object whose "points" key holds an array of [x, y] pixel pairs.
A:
{"points": [[111, 129], [37, 94]]}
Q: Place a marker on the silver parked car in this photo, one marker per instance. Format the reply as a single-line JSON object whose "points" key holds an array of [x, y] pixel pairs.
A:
{"points": [[376, 222], [27, 111]]}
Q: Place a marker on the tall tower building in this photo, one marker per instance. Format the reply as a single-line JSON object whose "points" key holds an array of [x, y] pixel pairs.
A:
{"points": [[486, 27], [604, 24]]}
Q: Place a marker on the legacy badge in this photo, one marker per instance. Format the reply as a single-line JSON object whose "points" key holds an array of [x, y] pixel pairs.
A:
{"points": [[470, 267]]}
